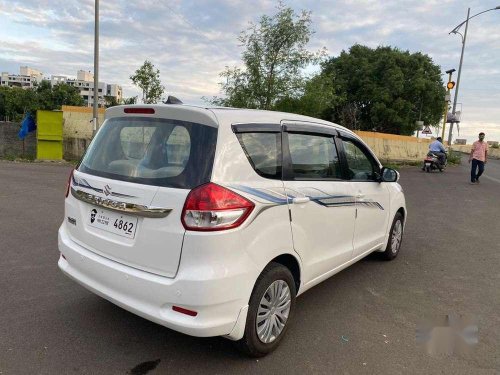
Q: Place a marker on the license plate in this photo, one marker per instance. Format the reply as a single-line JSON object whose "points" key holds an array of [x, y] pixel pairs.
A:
{"points": [[114, 222], [427, 164]]}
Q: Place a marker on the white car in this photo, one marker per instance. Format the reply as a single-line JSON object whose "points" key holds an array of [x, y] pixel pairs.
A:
{"points": [[211, 221]]}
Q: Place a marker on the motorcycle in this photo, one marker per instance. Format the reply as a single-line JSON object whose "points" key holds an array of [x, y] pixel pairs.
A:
{"points": [[432, 163]]}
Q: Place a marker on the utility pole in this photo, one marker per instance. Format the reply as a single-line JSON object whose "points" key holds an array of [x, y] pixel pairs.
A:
{"points": [[96, 69], [449, 86], [458, 77]]}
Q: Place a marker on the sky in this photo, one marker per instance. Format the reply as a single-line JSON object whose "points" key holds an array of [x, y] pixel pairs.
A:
{"points": [[191, 42]]}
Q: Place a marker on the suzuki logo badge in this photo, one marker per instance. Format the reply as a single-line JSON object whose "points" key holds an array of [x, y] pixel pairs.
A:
{"points": [[107, 190]]}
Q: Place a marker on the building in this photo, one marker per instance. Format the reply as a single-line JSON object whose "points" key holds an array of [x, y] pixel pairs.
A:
{"points": [[27, 78], [84, 82]]}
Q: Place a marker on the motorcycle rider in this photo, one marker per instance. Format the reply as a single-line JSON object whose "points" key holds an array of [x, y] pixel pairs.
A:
{"points": [[437, 148]]}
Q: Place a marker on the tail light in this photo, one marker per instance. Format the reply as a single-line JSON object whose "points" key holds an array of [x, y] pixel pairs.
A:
{"points": [[211, 207], [68, 185]]}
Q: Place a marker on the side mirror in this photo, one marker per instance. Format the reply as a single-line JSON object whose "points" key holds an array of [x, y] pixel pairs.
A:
{"points": [[389, 175]]}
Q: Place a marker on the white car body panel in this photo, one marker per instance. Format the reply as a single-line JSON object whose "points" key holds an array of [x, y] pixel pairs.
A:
{"points": [[214, 273]]}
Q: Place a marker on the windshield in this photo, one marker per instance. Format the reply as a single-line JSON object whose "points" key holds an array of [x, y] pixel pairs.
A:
{"points": [[152, 151]]}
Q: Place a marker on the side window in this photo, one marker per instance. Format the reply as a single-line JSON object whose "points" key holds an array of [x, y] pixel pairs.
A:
{"points": [[263, 151], [313, 157], [361, 166]]}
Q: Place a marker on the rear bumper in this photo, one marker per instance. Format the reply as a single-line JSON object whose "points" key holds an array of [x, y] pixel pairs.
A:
{"points": [[221, 305]]}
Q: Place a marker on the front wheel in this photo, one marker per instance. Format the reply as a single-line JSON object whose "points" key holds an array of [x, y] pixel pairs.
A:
{"points": [[271, 306], [395, 238]]}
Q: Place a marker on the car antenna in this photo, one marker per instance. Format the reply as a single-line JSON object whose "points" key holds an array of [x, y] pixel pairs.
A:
{"points": [[173, 100]]}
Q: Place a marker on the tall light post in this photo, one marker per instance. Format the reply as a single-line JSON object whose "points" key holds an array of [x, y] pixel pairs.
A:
{"points": [[464, 38], [96, 69]]}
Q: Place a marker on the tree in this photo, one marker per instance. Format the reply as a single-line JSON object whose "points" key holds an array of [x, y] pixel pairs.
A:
{"points": [[274, 57], [110, 101], [384, 89], [15, 102], [18, 102], [148, 80], [131, 100], [64, 94], [54, 97]]}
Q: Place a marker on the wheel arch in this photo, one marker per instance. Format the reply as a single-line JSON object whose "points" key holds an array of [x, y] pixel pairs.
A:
{"points": [[293, 265]]}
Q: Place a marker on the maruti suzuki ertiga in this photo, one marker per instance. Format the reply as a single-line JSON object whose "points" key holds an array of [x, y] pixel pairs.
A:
{"points": [[211, 221]]}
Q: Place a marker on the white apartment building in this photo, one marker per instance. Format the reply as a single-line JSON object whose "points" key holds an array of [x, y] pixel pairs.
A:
{"points": [[84, 82], [27, 78]]}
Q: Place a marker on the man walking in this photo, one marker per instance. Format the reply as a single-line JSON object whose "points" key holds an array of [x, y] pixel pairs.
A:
{"points": [[478, 157]]}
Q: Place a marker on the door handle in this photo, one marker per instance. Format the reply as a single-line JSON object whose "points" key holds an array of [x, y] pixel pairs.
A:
{"points": [[360, 196], [299, 200]]}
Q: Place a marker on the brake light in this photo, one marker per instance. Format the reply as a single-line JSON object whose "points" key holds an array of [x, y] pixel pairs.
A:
{"points": [[68, 185], [211, 207], [138, 110]]}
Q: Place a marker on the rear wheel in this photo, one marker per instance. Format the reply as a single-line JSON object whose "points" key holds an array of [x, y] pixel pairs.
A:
{"points": [[395, 238], [270, 309], [428, 169]]}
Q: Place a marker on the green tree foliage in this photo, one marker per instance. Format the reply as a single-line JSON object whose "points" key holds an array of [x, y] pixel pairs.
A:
{"points": [[15, 102], [110, 101], [383, 89], [131, 100], [53, 97], [147, 78], [274, 57]]}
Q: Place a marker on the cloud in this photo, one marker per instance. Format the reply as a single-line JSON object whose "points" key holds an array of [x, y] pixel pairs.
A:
{"points": [[192, 41]]}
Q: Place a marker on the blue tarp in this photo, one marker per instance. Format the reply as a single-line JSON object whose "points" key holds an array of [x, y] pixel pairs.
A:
{"points": [[27, 126]]}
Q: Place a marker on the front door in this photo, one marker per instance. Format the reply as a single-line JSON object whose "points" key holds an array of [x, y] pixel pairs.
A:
{"points": [[321, 206], [372, 196]]}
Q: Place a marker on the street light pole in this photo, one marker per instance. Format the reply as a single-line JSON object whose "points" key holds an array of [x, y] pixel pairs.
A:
{"points": [[464, 37], [96, 69], [458, 78]]}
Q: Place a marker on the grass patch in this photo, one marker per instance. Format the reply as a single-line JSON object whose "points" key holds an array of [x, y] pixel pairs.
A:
{"points": [[454, 157]]}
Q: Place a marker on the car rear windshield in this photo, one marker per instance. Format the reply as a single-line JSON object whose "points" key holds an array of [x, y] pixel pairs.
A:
{"points": [[152, 151]]}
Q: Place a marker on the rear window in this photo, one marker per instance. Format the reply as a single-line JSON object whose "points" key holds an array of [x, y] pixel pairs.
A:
{"points": [[159, 152]]}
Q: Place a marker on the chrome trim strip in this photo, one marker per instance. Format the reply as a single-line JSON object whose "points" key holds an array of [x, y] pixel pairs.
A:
{"points": [[128, 208]]}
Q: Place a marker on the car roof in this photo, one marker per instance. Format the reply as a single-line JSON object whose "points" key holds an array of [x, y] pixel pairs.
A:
{"points": [[220, 116]]}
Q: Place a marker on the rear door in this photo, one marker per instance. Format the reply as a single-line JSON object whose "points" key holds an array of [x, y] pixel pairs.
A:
{"points": [[320, 202], [372, 196], [128, 192]]}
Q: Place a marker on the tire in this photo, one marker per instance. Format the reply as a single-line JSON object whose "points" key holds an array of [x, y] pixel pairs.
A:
{"points": [[251, 344], [393, 246], [428, 169]]}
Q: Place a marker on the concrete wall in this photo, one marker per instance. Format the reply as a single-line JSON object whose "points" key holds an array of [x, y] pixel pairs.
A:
{"points": [[392, 147], [77, 132], [12, 146], [77, 121]]}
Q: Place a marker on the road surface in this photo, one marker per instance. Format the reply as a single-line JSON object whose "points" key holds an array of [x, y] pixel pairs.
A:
{"points": [[361, 321]]}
